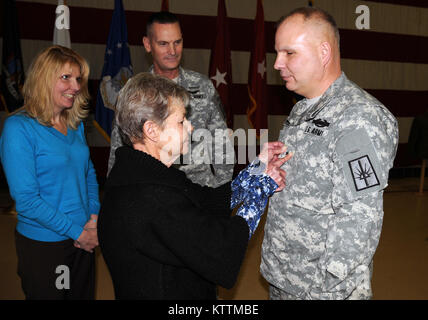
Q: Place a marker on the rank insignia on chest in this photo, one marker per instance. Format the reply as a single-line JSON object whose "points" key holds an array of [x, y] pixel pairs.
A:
{"points": [[363, 173]]}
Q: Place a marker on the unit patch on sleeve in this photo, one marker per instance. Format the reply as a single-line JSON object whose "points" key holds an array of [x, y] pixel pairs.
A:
{"points": [[363, 173], [360, 164]]}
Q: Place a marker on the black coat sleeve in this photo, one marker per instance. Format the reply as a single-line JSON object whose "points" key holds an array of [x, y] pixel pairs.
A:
{"points": [[217, 200], [182, 235], [212, 246]]}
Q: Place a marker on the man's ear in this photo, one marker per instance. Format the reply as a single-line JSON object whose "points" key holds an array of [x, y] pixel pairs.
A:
{"points": [[151, 131], [326, 53], [146, 43]]}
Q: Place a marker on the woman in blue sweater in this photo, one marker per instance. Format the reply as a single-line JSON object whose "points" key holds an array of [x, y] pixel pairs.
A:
{"points": [[46, 161]]}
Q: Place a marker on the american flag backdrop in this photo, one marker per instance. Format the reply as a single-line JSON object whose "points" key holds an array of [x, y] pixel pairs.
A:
{"points": [[389, 60]]}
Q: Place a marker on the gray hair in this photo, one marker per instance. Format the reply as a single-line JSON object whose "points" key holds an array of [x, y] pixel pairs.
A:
{"points": [[145, 97]]}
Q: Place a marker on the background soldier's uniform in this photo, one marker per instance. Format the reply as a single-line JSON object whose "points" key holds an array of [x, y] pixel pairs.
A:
{"points": [[323, 229], [206, 112]]}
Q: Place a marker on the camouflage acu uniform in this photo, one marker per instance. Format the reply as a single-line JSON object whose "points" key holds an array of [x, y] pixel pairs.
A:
{"points": [[323, 229], [206, 112]]}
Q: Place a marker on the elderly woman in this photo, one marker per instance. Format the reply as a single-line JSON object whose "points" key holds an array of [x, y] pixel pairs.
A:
{"points": [[162, 236], [52, 180]]}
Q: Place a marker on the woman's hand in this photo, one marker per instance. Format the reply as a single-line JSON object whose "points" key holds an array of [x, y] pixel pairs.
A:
{"points": [[270, 157], [88, 239], [92, 223]]}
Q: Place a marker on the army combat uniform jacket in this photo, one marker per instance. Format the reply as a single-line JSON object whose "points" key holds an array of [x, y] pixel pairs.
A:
{"points": [[323, 229], [206, 112]]}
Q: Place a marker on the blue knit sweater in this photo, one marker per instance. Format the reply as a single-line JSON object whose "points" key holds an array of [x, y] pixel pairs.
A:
{"points": [[50, 177]]}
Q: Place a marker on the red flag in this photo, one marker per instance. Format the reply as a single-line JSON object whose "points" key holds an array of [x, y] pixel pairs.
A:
{"points": [[257, 89], [165, 5], [220, 71]]}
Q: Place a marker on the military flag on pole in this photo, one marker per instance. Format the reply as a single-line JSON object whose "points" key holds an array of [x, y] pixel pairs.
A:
{"points": [[12, 72], [257, 88], [165, 5], [116, 71], [220, 71], [61, 35]]}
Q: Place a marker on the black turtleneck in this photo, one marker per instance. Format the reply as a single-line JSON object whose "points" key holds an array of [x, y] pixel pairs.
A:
{"points": [[164, 237]]}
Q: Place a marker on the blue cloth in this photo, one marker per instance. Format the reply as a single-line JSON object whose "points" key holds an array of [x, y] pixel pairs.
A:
{"points": [[117, 68], [50, 177], [252, 188]]}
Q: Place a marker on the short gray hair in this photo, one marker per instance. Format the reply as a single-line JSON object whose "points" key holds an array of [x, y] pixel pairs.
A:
{"points": [[145, 97]]}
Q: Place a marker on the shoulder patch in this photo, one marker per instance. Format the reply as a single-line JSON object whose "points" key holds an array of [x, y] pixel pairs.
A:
{"points": [[362, 169], [363, 173]]}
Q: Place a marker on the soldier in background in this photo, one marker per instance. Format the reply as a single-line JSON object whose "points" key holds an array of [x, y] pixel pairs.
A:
{"points": [[323, 229], [165, 43]]}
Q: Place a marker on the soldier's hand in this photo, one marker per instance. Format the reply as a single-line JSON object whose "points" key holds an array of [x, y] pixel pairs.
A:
{"points": [[270, 150], [273, 169]]}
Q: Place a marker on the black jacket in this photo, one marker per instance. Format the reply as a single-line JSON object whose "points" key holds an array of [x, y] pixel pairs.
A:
{"points": [[164, 237]]}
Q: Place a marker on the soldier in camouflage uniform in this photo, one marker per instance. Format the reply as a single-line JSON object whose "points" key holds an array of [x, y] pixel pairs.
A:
{"points": [[165, 44], [323, 229]]}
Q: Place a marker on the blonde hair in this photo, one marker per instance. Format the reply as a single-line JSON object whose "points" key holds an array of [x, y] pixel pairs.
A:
{"points": [[42, 76]]}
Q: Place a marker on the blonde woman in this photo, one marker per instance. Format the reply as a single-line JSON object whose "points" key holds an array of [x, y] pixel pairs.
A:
{"points": [[52, 179]]}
